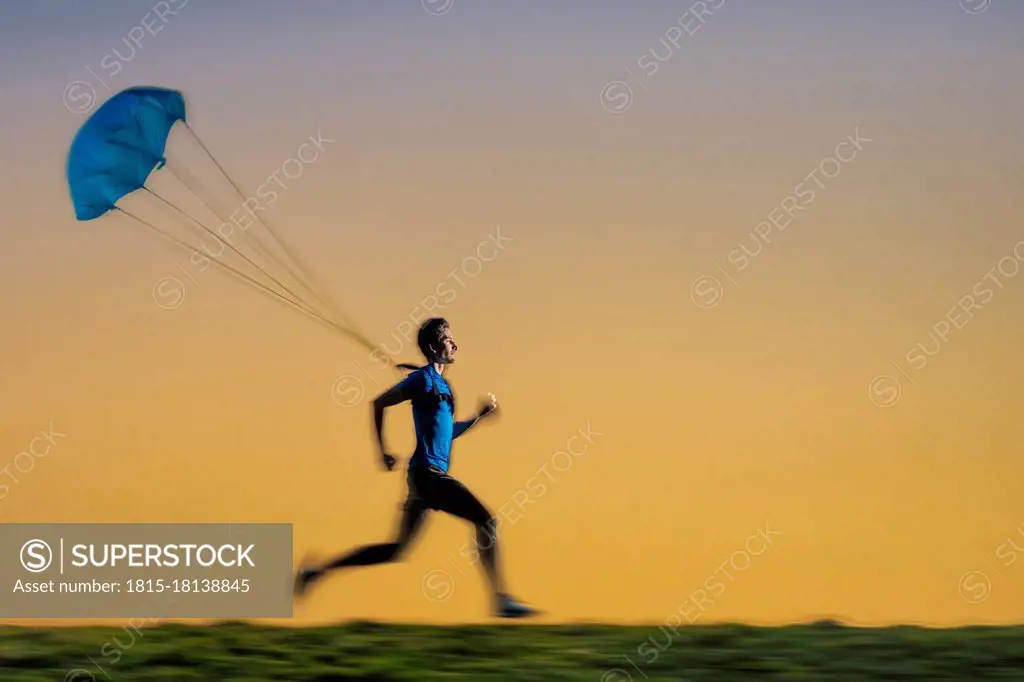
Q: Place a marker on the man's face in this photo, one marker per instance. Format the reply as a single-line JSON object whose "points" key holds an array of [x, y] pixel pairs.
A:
{"points": [[446, 353]]}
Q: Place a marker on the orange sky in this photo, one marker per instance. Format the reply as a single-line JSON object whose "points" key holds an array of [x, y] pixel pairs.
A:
{"points": [[715, 420]]}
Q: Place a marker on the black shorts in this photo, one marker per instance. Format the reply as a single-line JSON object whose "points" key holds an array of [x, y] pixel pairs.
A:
{"points": [[431, 488]]}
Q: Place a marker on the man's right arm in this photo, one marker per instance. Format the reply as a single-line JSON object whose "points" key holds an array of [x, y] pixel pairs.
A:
{"points": [[398, 393]]}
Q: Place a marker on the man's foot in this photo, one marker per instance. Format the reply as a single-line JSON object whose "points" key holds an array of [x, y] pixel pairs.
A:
{"points": [[510, 607], [304, 577]]}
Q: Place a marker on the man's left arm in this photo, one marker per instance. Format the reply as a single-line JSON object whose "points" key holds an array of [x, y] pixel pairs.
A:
{"points": [[488, 407]]}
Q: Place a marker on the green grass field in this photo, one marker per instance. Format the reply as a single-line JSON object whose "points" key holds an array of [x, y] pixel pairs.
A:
{"points": [[366, 651]]}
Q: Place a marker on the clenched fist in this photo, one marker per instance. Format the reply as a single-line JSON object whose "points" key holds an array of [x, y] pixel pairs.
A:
{"points": [[488, 405]]}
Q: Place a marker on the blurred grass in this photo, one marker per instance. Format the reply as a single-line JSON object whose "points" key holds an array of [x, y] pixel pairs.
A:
{"points": [[240, 652]]}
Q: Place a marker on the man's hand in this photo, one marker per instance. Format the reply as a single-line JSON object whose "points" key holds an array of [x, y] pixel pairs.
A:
{"points": [[488, 406], [388, 461]]}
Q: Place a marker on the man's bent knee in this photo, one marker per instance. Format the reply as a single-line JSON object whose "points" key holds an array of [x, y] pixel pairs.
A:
{"points": [[395, 551]]}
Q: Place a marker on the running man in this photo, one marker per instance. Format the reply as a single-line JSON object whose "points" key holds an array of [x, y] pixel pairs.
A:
{"points": [[430, 486]]}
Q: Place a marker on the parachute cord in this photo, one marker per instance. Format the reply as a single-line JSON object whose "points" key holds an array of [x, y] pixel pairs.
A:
{"points": [[306, 272], [258, 247], [231, 246], [162, 161], [245, 277], [361, 339], [312, 283]]}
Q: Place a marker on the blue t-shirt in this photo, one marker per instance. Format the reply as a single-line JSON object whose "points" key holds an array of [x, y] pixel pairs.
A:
{"points": [[433, 411]]}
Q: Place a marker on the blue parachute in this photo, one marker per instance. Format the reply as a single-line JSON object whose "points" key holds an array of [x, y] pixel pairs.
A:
{"points": [[115, 151]]}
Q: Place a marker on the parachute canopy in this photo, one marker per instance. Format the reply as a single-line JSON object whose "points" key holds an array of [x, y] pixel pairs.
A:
{"points": [[119, 146], [122, 155]]}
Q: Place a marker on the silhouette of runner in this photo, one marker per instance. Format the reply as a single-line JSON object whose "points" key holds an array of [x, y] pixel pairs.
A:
{"points": [[430, 485]]}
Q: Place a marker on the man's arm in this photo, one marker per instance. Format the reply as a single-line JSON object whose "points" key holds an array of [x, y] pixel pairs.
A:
{"points": [[393, 396], [460, 428], [489, 406]]}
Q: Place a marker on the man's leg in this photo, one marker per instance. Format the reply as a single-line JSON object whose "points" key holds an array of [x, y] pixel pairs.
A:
{"points": [[451, 496], [368, 555], [413, 515]]}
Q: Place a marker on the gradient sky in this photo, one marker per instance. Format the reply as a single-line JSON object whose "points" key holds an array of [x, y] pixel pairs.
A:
{"points": [[723, 404]]}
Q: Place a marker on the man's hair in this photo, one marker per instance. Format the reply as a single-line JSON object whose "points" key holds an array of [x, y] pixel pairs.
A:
{"points": [[430, 335]]}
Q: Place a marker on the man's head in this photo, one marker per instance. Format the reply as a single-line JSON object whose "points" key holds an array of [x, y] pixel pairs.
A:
{"points": [[436, 342]]}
